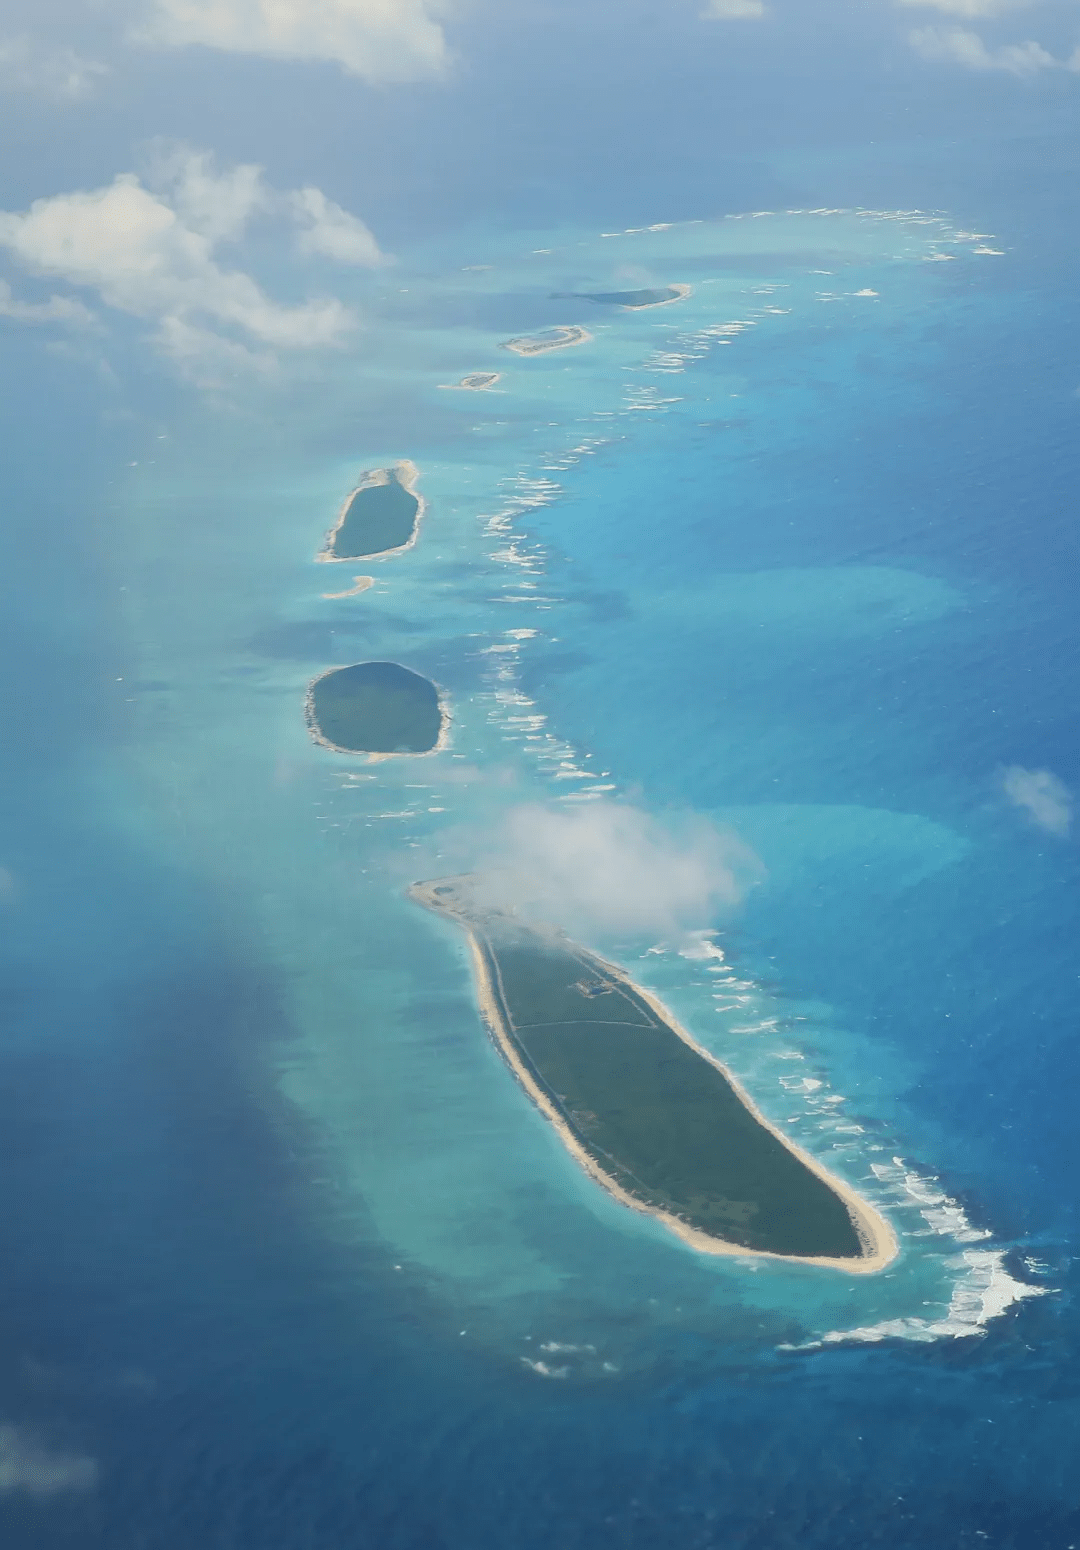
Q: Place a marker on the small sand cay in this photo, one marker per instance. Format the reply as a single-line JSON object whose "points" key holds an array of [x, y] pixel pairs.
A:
{"points": [[380, 516], [475, 382], [630, 301], [561, 338], [646, 1111], [360, 584]]}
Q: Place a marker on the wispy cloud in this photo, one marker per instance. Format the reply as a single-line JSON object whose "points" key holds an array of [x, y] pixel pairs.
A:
{"points": [[734, 10], [969, 9], [609, 868], [31, 65], [956, 46], [1046, 799], [151, 252], [56, 309], [379, 40], [27, 1466]]}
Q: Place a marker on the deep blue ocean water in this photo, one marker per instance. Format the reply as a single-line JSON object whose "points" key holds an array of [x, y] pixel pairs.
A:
{"points": [[826, 612]]}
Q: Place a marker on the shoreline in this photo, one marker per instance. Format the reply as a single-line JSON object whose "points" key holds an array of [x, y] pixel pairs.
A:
{"points": [[683, 291], [473, 382], [529, 345], [373, 754], [407, 476], [874, 1231], [360, 584]]}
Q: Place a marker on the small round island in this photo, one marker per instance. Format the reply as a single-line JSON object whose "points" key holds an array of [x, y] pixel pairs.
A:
{"points": [[375, 708]]}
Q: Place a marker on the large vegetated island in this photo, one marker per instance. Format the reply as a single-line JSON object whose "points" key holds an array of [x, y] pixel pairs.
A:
{"points": [[375, 708], [632, 301], [380, 516], [651, 1115]]}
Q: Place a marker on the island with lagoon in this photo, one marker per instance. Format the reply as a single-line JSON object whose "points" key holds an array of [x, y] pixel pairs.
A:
{"points": [[381, 516], [643, 1108], [562, 337], [474, 382], [377, 708]]}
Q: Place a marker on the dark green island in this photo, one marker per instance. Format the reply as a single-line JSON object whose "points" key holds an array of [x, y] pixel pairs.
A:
{"points": [[634, 300], [380, 516], [375, 708], [655, 1119]]}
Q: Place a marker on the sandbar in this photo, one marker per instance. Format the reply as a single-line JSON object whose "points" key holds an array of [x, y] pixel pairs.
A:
{"points": [[360, 584], [381, 516], [666, 1133], [563, 337]]}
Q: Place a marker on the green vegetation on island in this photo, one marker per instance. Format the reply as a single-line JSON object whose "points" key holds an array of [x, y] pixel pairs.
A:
{"points": [[377, 708], [634, 300], [381, 515], [644, 1108]]}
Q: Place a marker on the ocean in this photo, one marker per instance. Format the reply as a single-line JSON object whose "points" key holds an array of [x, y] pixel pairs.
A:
{"points": [[294, 1261]]}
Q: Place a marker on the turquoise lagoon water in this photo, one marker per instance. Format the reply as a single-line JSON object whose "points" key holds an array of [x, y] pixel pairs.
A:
{"points": [[733, 556], [593, 592]]}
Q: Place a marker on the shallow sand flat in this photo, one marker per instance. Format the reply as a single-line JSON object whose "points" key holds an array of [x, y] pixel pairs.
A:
{"points": [[360, 584]]}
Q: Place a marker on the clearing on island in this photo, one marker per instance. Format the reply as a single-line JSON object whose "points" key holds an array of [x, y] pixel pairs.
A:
{"points": [[375, 707], [647, 1112], [381, 515]]}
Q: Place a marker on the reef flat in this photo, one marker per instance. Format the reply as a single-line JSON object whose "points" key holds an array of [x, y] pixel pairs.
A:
{"points": [[381, 516], [649, 1113], [376, 708]]}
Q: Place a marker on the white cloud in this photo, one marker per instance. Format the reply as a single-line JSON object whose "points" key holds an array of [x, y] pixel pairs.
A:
{"points": [[1046, 799], [26, 1466], [152, 255], [58, 309], [609, 868], [958, 47], [970, 8], [26, 65], [733, 10], [379, 40], [332, 232]]}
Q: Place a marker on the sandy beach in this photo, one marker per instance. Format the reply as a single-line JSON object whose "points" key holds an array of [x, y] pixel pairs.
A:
{"points": [[875, 1234], [668, 301], [407, 475], [475, 382], [360, 584]]}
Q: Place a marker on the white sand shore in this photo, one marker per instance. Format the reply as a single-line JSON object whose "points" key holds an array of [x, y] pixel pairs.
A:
{"points": [[875, 1234], [475, 382], [407, 475], [566, 336]]}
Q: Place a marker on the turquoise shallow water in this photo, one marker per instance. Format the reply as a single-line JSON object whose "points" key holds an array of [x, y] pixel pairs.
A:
{"points": [[592, 590], [691, 565]]}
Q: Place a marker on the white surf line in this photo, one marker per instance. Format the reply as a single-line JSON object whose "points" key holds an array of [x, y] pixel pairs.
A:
{"points": [[941, 1217]]}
